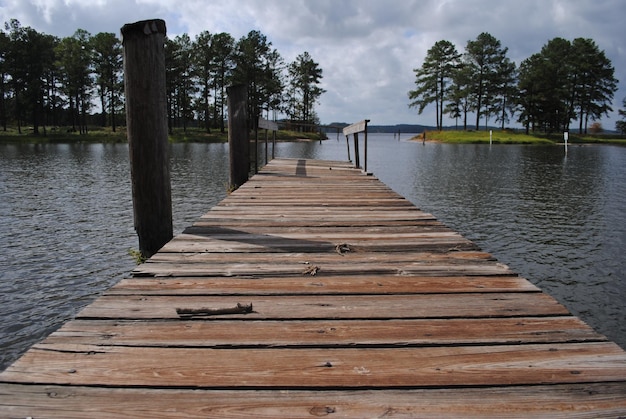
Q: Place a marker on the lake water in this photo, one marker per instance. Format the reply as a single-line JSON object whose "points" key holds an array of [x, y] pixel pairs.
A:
{"points": [[555, 218]]}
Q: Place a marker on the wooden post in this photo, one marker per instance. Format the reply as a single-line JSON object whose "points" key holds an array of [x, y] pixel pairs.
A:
{"points": [[365, 147], [238, 140], [357, 157], [146, 121], [273, 145], [256, 150], [266, 148]]}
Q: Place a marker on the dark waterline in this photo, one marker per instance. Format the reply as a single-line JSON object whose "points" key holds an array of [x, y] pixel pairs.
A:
{"points": [[66, 218]]}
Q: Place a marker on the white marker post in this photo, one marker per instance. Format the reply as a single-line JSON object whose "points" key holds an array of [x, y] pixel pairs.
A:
{"points": [[565, 137], [490, 136]]}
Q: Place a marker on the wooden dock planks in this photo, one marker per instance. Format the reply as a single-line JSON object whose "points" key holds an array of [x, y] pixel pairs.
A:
{"points": [[360, 305]]}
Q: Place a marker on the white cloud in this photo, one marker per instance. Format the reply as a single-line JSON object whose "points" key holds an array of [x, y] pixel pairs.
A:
{"points": [[366, 48]]}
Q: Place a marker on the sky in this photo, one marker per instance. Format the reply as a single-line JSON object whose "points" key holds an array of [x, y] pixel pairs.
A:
{"points": [[367, 49]]}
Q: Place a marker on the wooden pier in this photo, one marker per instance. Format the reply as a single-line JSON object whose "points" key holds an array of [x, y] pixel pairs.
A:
{"points": [[316, 291]]}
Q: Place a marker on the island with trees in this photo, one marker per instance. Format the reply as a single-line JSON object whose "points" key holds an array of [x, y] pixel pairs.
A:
{"points": [[566, 81]]}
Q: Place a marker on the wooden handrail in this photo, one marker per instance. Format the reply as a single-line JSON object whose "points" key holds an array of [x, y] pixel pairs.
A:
{"points": [[354, 129], [267, 126]]}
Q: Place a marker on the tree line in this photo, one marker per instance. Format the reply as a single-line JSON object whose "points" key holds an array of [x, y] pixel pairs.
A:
{"points": [[566, 81], [50, 81]]}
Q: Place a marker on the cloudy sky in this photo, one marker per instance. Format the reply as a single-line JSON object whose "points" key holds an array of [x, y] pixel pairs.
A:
{"points": [[367, 49]]}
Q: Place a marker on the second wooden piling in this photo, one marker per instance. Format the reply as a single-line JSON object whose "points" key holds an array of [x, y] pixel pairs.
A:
{"points": [[238, 139]]}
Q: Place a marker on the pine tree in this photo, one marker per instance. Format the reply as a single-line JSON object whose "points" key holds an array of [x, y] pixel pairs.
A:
{"points": [[305, 75], [434, 77], [486, 60]]}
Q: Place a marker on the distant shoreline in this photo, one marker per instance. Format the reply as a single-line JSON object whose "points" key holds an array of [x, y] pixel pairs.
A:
{"points": [[197, 135], [511, 137], [107, 136]]}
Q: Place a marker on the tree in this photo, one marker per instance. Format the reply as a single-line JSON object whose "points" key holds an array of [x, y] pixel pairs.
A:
{"points": [[274, 85], [258, 66], [203, 65], [460, 94], [545, 88], [621, 124], [107, 57], [433, 78], [16, 62], [28, 59], [74, 59], [593, 82], [44, 79], [528, 92], [555, 104], [187, 87], [212, 66], [223, 46], [180, 84], [305, 75], [485, 58], [505, 91], [47, 84], [565, 81]]}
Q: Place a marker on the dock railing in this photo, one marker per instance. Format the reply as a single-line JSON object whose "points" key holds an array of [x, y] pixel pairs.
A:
{"points": [[267, 126], [355, 129]]}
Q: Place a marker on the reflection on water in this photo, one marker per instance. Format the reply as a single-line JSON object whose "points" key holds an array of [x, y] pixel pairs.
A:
{"points": [[66, 218]]}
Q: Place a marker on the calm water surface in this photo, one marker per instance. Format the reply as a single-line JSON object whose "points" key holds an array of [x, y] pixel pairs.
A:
{"points": [[66, 218]]}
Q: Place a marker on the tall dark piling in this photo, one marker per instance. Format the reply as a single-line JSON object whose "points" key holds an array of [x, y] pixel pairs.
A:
{"points": [[146, 120], [238, 140]]}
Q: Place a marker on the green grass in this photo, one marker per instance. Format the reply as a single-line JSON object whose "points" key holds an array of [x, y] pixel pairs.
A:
{"points": [[482, 137], [513, 137], [283, 135], [63, 135], [137, 256], [106, 135], [588, 138], [197, 135]]}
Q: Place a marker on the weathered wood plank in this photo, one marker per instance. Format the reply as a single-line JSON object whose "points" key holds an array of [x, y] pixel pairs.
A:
{"points": [[345, 284], [327, 207], [275, 191], [332, 306], [287, 204], [343, 253], [324, 235], [320, 368], [581, 401], [252, 221], [324, 333], [300, 268], [320, 243]]}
